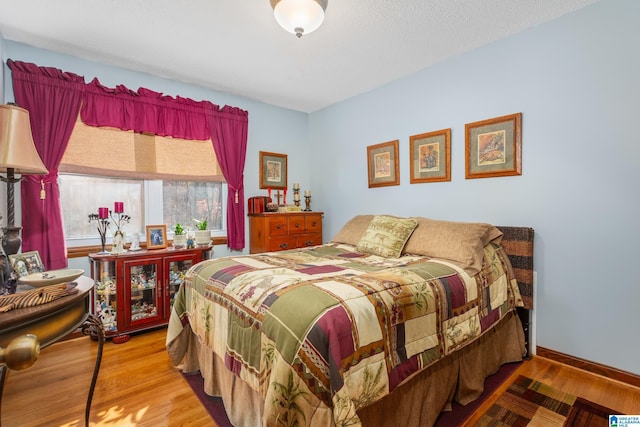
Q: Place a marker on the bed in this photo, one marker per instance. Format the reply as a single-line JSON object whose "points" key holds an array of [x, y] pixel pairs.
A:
{"points": [[386, 324]]}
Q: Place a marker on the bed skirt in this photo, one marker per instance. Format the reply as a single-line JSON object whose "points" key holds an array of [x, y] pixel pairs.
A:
{"points": [[418, 402]]}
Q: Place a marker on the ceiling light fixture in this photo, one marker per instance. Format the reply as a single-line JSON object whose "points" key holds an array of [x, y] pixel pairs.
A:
{"points": [[299, 16]]}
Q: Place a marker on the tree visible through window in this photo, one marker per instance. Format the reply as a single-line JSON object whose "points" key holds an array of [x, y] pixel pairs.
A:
{"points": [[188, 201]]}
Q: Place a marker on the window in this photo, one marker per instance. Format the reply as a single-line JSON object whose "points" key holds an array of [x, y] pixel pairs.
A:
{"points": [[146, 201], [185, 202]]}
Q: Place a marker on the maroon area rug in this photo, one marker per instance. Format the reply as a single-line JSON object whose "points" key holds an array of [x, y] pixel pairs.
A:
{"points": [[459, 413]]}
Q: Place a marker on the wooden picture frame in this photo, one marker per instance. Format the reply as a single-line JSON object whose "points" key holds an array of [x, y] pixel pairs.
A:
{"points": [[157, 236], [26, 263], [273, 170], [494, 147], [430, 156], [382, 163]]}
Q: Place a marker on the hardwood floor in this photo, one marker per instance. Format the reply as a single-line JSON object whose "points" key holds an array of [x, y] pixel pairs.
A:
{"points": [[138, 386]]}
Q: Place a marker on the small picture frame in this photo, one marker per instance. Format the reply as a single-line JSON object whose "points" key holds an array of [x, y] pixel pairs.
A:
{"points": [[430, 156], [157, 236], [494, 147], [273, 170], [26, 263], [382, 164]]}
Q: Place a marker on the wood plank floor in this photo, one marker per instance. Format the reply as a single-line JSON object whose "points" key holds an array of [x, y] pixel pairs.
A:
{"points": [[138, 386]]}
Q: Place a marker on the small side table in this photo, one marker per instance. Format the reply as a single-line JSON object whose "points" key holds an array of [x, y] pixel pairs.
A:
{"points": [[50, 323]]}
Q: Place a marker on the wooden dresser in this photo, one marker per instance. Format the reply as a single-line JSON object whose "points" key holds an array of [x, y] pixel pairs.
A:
{"points": [[274, 231]]}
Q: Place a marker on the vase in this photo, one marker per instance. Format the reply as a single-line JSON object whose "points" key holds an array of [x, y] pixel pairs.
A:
{"points": [[118, 242], [179, 240], [203, 237]]}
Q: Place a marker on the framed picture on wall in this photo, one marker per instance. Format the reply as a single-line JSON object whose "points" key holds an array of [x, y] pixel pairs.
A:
{"points": [[157, 236], [494, 147], [273, 170], [430, 156], [382, 163]]}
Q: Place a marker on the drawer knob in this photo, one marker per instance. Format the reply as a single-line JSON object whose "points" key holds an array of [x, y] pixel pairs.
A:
{"points": [[284, 245], [279, 226]]}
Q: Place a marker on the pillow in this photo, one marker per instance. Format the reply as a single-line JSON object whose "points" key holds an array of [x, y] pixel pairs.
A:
{"points": [[352, 231], [386, 236], [461, 242]]}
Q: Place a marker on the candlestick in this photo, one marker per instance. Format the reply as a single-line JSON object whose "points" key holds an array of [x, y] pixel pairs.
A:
{"points": [[296, 195], [307, 193], [307, 201], [284, 202], [296, 186], [102, 225]]}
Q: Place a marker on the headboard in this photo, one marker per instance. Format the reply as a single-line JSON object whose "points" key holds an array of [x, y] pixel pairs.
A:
{"points": [[518, 244]]}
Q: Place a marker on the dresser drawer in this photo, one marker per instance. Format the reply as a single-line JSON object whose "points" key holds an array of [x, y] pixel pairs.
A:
{"points": [[281, 243], [278, 226], [309, 239], [313, 223], [296, 224]]}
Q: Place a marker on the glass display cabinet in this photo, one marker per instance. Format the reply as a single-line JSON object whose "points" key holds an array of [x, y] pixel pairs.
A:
{"points": [[134, 291]]}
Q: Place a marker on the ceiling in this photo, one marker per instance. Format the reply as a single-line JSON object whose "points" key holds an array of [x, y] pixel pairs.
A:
{"points": [[236, 46]]}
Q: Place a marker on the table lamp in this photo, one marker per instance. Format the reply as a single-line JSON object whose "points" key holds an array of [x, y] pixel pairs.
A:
{"points": [[18, 155]]}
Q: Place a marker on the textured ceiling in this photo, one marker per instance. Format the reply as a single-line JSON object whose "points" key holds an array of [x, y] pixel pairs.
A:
{"points": [[235, 46]]}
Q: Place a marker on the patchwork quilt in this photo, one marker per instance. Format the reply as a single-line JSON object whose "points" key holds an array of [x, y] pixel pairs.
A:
{"points": [[321, 332]]}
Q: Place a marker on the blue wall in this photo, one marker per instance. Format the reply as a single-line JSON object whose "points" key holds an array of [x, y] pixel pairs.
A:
{"points": [[575, 80]]}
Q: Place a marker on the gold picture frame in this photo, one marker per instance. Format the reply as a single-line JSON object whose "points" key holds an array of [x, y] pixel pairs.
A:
{"points": [[26, 263], [157, 236], [382, 164], [273, 170], [430, 156], [493, 147]]}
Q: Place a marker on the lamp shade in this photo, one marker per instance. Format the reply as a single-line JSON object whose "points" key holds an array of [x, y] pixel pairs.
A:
{"points": [[17, 150], [299, 16]]}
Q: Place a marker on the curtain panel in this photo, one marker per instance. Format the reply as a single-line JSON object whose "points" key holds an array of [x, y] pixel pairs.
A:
{"points": [[53, 100], [142, 111], [230, 143]]}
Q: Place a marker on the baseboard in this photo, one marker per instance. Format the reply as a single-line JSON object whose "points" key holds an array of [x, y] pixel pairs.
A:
{"points": [[586, 365]]}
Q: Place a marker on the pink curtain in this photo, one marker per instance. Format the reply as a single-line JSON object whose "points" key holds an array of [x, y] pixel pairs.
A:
{"points": [[229, 136], [53, 99]]}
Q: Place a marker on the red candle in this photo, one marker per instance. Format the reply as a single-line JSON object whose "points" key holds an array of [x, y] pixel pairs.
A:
{"points": [[284, 201], [269, 192], [103, 213], [118, 207]]}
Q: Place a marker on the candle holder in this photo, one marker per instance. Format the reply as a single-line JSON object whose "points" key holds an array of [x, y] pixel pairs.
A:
{"points": [[307, 201], [102, 225], [296, 196]]}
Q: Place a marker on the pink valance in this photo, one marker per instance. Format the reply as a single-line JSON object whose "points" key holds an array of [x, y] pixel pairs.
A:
{"points": [[146, 111]]}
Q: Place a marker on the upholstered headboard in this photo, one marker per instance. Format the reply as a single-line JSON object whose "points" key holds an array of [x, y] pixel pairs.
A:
{"points": [[518, 244]]}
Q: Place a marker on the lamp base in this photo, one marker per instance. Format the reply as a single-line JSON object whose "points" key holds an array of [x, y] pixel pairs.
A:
{"points": [[11, 241]]}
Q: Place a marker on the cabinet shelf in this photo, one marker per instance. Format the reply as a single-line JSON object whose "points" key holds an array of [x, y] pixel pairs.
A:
{"points": [[135, 291]]}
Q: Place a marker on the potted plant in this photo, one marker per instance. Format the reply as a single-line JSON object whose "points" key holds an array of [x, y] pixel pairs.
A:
{"points": [[179, 236], [203, 235]]}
